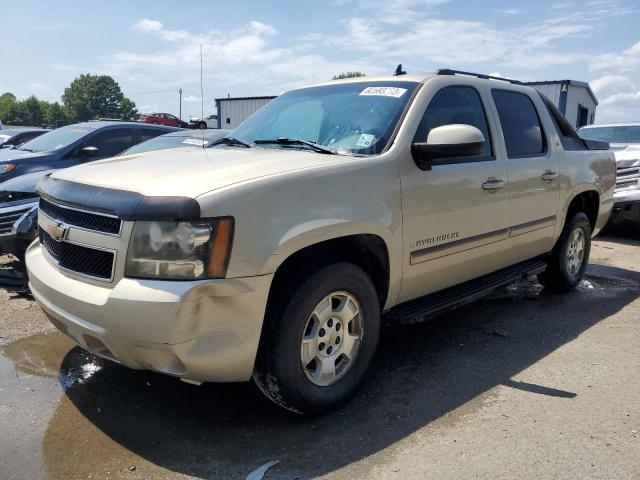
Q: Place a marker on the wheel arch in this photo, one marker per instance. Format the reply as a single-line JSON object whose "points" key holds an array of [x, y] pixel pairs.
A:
{"points": [[587, 200], [302, 253]]}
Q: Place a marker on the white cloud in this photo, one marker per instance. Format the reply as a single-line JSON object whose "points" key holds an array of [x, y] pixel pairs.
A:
{"points": [[260, 27], [146, 25], [610, 84], [508, 11], [394, 12], [626, 61], [619, 98]]}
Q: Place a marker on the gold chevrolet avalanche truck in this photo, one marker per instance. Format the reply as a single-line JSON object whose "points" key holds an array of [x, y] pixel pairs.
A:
{"points": [[273, 253]]}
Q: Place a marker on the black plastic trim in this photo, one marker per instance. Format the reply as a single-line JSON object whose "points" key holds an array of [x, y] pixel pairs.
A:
{"points": [[121, 203]]}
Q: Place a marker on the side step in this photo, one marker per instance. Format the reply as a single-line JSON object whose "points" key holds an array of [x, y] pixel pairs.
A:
{"points": [[436, 303]]}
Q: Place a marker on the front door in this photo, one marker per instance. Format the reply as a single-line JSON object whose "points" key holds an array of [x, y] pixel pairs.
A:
{"points": [[454, 215]]}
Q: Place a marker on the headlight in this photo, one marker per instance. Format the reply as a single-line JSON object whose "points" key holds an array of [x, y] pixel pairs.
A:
{"points": [[180, 250], [7, 168]]}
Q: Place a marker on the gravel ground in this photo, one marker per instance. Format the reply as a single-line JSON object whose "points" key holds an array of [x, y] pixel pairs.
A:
{"points": [[522, 384]]}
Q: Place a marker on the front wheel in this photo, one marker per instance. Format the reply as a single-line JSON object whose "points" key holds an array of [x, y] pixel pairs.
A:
{"points": [[203, 126], [568, 261], [317, 346]]}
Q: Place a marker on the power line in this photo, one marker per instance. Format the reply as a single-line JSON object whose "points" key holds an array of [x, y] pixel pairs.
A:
{"points": [[150, 93]]}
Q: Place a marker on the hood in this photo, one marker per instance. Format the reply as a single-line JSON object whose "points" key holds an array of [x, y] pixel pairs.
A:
{"points": [[10, 154], [627, 155], [24, 183], [191, 172]]}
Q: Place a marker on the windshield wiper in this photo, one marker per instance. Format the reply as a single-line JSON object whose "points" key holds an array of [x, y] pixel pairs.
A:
{"points": [[296, 141], [228, 141]]}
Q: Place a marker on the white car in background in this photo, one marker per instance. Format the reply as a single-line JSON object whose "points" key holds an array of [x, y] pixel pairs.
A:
{"points": [[209, 122], [624, 140]]}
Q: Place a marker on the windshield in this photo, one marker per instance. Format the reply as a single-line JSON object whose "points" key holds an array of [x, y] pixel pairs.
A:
{"points": [[55, 139], [620, 134], [351, 118], [165, 142]]}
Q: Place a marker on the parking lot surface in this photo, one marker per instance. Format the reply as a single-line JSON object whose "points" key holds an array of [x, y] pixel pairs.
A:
{"points": [[522, 384]]}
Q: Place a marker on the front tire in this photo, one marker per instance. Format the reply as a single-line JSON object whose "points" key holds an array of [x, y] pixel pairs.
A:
{"points": [[318, 343], [203, 126], [568, 261]]}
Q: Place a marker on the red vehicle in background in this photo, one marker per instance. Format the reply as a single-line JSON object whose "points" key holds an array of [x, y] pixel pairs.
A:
{"points": [[163, 119]]}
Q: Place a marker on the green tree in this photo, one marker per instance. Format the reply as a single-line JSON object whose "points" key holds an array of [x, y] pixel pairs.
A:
{"points": [[344, 75], [54, 114], [6, 101], [17, 114], [93, 96], [33, 112]]}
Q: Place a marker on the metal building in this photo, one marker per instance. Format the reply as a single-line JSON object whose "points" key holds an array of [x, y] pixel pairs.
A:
{"points": [[574, 99], [232, 111]]}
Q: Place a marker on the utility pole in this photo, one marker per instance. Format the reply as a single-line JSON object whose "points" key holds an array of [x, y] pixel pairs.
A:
{"points": [[180, 93], [201, 89]]}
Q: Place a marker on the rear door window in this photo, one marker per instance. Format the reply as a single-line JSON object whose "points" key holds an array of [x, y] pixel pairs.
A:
{"points": [[112, 141], [148, 133], [523, 134]]}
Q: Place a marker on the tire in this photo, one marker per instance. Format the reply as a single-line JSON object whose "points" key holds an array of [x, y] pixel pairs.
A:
{"points": [[298, 327], [565, 268], [202, 126]]}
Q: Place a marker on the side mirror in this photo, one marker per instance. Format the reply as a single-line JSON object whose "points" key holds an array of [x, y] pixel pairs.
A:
{"points": [[88, 152], [448, 141]]}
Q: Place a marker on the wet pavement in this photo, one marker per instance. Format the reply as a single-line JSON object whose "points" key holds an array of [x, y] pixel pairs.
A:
{"points": [[523, 383]]}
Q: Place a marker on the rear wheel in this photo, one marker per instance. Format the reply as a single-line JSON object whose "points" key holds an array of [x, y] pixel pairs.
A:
{"points": [[317, 346], [202, 125], [570, 256]]}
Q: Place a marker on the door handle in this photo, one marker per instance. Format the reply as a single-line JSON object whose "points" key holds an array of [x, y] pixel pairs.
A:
{"points": [[549, 176], [493, 185]]}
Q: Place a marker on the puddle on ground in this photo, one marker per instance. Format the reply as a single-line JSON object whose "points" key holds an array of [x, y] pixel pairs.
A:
{"points": [[600, 283], [39, 355], [42, 355]]}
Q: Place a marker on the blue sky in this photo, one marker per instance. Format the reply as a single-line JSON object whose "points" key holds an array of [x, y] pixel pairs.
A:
{"points": [[262, 48]]}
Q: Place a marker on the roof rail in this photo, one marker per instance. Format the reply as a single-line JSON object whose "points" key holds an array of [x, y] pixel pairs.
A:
{"points": [[448, 71]]}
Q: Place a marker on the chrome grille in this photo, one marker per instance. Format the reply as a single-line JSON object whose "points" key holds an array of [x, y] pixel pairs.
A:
{"points": [[78, 258], [82, 219], [627, 178], [10, 216]]}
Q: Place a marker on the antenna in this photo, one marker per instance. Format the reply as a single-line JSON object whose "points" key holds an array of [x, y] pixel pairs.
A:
{"points": [[399, 71]]}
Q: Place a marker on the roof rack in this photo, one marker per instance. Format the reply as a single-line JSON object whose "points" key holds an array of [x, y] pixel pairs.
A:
{"points": [[106, 120], [448, 71]]}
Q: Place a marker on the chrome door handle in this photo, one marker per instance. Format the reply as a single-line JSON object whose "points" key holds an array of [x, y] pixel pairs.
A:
{"points": [[493, 185], [549, 176]]}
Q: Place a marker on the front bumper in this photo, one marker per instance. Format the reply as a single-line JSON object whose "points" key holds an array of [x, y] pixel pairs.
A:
{"points": [[18, 226], [206, 331], [626, 206]]}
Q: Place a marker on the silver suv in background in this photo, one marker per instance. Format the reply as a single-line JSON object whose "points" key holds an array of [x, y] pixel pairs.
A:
{"points": [[624, 139]]}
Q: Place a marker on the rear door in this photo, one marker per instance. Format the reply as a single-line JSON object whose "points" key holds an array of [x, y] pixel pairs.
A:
{"points": [[533, 172]]}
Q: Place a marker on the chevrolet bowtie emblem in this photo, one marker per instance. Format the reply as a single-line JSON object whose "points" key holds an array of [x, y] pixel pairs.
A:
{"points": [[58, 231]]}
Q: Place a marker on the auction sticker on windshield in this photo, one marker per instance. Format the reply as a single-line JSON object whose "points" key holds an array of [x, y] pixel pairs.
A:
{"points": [[394, 92], [194, 141]]}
